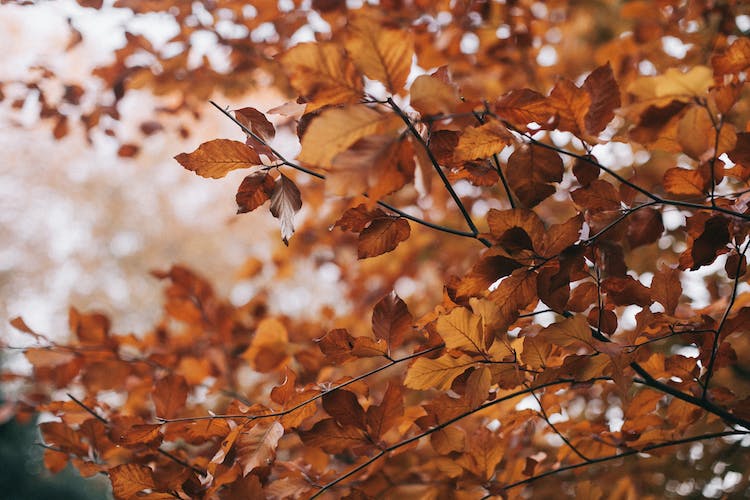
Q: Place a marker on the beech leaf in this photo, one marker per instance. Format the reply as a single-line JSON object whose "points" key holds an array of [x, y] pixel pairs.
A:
{"points": [[285, 202], [217, 158]]}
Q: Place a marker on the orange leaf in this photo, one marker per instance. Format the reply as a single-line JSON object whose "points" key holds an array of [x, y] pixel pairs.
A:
{"points": [[733, 60], [666, 288], [170, 394], [682, 181], [254, 191], [257, 447], [524, 106], [89, 328], [380, 53], [130, 479], [336, 129], [436, 373], [391, 320], [461, 329], [344, 408], [333, 438], [432, 96], [571, 104], [382, 417], [599, 195], [516, 229], [481, 142], [382, 236], [530, 172], [605, 98], [217, 158], [323, 74]]}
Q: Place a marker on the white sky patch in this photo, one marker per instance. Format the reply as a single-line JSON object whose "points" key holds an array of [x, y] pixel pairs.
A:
{"points": [[547, 56], [469, 43], [743, 23], [674, 47]]}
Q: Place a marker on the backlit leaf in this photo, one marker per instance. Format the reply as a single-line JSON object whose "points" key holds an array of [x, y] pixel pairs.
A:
{"points": [[432, 96], [256, 447], [130, 479], [217, 158], [337, 129], [482, 142], [323, 74], [285, 202], [170, 394], [436, 373], [461, 329], [391, 320], [254, 191], [531, 170], [382, 236], [380, 53]]}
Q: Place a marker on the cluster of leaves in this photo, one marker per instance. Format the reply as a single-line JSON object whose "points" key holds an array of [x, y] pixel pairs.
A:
{"points": [[220, 401]]}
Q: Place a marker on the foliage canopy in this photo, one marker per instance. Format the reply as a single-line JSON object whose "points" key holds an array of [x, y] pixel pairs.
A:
{"points": [[544, 183]]}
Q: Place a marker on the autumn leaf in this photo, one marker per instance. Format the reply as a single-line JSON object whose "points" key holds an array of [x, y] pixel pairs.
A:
{"points": [[673, 83], [217, 158], [432, 96], [571, 104], [170, 394], [381, 53], [734, 59], [461, 329], [344, 408], [323, 74], [645, 226], [483, 141], [524, 106], [254, 191], [333, 438], [605, 98], [666, 288], [285, 202], [336, 129], [598, 195], [436, 373], [130, 479], [380, 418], [530, 171], [381, 236], [256, 447], [391, 320]]}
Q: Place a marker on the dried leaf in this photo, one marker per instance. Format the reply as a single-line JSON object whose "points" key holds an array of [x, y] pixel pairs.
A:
{"points": [[257, 447], [285, 202], [217, 158], [380, 53], [254, 191], [391, 320], [436, 373], [382, 236], [130, 479], [481, 142]]}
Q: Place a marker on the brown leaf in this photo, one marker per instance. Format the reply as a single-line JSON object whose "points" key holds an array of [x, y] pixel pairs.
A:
{"points": [[644, 227], [217, 158], [381, 53], [344, 408], [530, 172], [516, 229], [356, 219], [432, 96], [323, 74], [436, 373], [666, 288], [169, 396], [380, 418], [257, 447], [736, 265], [571, 104], [141, 435], [130, 479], [254, 191], [88, 328], [391, 320], [597, 196], [714, 238], [336, 345], [259, 125], [285, 202], [733, 60], [585, 171], [524, 106], [481, 142], [336, 129], [605, 98], [333, 438], [492, 266], [382, 236]]}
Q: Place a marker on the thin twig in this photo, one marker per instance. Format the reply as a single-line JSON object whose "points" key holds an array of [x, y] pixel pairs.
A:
{"points": [[544, 415], [287, 411]]}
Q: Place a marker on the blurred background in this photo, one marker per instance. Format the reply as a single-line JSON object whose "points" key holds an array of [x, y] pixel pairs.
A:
{"points": [[82, 224]]}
